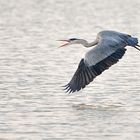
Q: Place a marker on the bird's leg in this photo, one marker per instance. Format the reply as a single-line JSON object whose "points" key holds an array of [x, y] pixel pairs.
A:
{"points": [[136, 47]]}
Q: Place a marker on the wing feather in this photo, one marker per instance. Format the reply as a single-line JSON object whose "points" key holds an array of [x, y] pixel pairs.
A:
{"points": [[105, 48]]}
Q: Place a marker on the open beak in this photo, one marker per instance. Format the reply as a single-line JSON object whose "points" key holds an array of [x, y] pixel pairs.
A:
{"points": [[65, 44], [137, 47]]}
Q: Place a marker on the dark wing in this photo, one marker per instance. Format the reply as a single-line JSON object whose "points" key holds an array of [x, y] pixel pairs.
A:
{"points": [[95, 62]]}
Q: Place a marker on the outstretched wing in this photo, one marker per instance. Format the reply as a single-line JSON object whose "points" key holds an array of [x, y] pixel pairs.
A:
{"points": [[98, 59]]}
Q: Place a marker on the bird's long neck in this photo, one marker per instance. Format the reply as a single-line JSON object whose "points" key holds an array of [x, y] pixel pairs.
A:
{"points": [[87, 44]]}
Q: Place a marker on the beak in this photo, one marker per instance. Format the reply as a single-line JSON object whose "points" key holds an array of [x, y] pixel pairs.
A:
{"points": [[137, 47], [64, 40]]}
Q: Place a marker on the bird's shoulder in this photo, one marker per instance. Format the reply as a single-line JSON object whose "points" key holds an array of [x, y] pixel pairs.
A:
{"points": [[110, 33]]}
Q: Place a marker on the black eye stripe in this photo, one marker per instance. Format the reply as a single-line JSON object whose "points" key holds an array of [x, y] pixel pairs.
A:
{"points": [[73, 39]]}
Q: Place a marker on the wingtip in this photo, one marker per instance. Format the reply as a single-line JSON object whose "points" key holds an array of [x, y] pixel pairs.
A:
{"points": [[68, 89]]}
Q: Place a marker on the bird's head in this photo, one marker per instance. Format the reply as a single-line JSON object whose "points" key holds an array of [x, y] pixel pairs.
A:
{"points": [[72, 41]]}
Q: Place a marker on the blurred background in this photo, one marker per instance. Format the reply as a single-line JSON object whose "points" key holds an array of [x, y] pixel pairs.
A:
{"points": [[33, 70]]}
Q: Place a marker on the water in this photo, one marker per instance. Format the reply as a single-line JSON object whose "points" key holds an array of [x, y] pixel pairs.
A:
{"points": [[32, 71]]}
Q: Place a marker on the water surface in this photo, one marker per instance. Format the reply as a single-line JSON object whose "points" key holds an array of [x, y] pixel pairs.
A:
{"points": [[32, 71]]}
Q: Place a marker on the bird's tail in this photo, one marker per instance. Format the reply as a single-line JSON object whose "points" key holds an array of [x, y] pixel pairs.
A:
{"points": [[133, 42]]}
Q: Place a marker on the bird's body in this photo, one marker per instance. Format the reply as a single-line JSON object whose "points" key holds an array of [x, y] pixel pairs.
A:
{"points": [[110, 47], [106, 39]]}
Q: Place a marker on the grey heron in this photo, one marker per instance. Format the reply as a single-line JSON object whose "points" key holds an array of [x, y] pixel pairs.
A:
{"points": [[110, 47]]}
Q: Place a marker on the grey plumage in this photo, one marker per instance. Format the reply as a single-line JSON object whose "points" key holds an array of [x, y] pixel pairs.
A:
{"points": [[110, 47]]}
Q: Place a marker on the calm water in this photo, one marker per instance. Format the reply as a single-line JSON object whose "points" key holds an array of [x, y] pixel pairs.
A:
{"points": [[32, 71]]}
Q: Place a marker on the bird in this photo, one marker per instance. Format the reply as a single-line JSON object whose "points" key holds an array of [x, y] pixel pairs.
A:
{"points": [[109, 48]]}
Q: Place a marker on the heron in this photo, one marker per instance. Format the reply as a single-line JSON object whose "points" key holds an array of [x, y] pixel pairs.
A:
{"points": [[109, 48]]}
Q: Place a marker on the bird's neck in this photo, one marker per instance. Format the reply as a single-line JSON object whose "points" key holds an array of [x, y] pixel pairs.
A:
{"points": [[87, 44]]}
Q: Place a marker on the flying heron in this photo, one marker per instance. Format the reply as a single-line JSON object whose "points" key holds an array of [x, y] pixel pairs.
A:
{"points": [[110, 47]]}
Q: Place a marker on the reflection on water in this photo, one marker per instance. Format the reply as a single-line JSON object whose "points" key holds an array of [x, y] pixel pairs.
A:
{"points": [[32, 71], [99, 106]]}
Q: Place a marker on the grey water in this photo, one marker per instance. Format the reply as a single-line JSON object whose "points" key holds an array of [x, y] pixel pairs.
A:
{"points": [[33, 105]]}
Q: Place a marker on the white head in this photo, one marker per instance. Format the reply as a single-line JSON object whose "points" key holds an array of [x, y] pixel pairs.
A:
{"points": [[74, 41]]}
